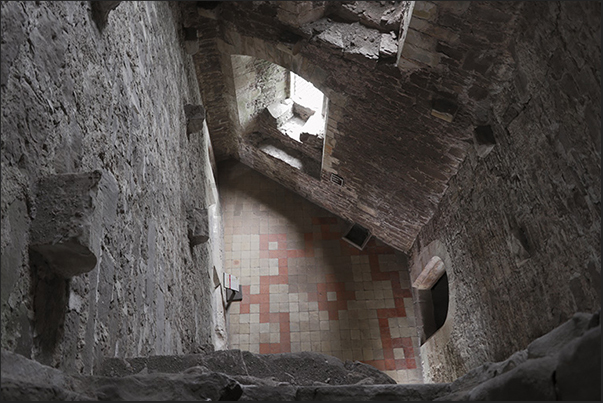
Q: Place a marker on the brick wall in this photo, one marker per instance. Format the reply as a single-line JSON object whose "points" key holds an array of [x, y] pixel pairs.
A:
{"points": [[522, 224]]}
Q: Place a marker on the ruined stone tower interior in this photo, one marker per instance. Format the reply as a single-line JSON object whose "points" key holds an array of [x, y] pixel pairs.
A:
{"points": [[404, 192]]}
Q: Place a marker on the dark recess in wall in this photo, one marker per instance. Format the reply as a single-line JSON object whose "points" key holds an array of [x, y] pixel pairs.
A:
{"points": [[439, 296], [50, 297], [208, 5], [357, 236], [484, 135]]}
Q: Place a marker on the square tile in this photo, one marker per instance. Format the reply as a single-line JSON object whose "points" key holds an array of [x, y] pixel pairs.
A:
{"points": [[333, 295], [399, 353]]}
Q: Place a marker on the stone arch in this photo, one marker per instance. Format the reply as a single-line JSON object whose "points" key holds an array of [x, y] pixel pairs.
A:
{"points": [[442, 335]]}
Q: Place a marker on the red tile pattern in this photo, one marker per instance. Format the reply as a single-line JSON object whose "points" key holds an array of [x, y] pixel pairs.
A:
{"points": [[331, 285], [306, 289]]}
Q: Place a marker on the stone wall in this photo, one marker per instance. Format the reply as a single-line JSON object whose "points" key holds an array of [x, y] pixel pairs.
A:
{"points": [[388, 133], [521, 220], [564, 364], [212, 79], [78, 99], [258, 84]]}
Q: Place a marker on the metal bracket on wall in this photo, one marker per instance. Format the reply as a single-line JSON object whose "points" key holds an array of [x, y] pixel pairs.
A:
{"points": [[233, 289], [233, 295]]}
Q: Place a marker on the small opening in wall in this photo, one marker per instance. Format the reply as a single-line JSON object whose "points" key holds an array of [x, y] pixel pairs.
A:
{"points": [[357, 236], [484, 140], [439, 297], [431, 288]]}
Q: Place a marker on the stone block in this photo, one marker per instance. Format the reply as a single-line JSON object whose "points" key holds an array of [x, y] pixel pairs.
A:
{"points": [[413, 53], [195, 117], [333, 37], [444, 109], [198, 227], [551, 342], [453, 53], [72, 211], [425, 10], [532, 380], [420, 40], [388, 46], [578, 375]]}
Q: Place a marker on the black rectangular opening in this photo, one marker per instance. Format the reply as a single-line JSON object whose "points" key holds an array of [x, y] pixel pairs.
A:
{"points": [[358, 236]]}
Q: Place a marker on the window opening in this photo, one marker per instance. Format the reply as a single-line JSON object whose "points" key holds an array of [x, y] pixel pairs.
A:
{"points": [[306, 94], [307, 108], [439, 297], [357, 236], [433, 297], [280, 113]]}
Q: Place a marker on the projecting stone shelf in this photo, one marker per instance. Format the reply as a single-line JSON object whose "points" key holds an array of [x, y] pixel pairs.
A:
{"points": [[198, 226], [71, 212], [291, 157]]}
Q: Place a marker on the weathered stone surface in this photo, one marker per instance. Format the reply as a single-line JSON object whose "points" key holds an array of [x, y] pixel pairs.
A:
{"points": [[552, 342], [522, 224], [182, 378], [388, 47], [71, 214], [13, 18], [533, 380], [567, 367], [195, 117], [24, 379], [25, 376], [488, 371], [572, 373], [385, 16], [193, 384], [76, 100], [198, 226], [372, 393], [578, 375], [276, 393], [259, 84], [304, 368], [101, 10]]}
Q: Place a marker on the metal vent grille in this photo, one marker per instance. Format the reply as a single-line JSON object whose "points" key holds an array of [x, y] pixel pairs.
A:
{"points": [[336, 179]]}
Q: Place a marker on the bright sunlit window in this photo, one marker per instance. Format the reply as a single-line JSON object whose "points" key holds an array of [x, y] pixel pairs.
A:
{"points": [[305, 94]]}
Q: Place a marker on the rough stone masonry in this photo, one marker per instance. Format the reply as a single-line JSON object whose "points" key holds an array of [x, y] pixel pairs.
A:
{"points": [[78, 99], [464, 130]]}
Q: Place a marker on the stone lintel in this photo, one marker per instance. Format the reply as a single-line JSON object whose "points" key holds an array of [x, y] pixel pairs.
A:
{"points": [[430, 274]]}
